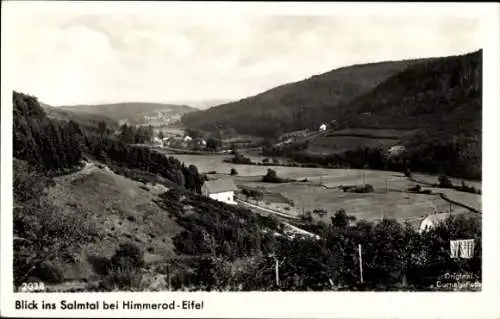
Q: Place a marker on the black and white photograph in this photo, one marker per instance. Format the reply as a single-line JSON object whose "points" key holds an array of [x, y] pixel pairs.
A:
{"points": [[179, 152]]}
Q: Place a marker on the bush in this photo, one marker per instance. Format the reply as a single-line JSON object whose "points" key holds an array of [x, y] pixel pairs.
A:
{"points": [[444, 182], [241, 159], [100, 265], [272, 177], [320, 212], [233, 172], [307, 216], [126, 255], [253, 193], [123, 270], [123, 279], [367, 188], [416, 188], [468, 189], [49, 272]]}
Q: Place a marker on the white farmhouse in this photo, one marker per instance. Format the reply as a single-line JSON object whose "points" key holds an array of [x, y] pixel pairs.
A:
{"points": [[432, 221], [188, 138], [397, 150], [158, 141], [220, 189], [322, 127]]}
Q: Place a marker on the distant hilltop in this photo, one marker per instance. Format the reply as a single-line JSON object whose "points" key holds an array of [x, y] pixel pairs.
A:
{"points": [[132, 112]]}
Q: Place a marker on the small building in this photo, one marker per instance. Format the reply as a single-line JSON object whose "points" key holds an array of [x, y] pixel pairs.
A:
{"points": [[157, 141], [396, 150], [188, 138], [432, 221], [322, 127], [221, 190]]}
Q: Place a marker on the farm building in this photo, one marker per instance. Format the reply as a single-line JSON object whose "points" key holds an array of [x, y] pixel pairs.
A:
{"points": [[396, 150], [199, 142], [188, 138], [433, 221], [322, 127], [220, 189], [158, 141]]}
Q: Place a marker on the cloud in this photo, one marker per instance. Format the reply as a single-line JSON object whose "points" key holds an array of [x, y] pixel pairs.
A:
{"points": [[74, 58]]}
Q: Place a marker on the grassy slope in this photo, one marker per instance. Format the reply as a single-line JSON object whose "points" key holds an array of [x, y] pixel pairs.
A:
{"points": [[316, 97], [123, 209]]}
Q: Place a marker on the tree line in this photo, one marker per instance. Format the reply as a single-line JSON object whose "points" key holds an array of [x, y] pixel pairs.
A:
{"points": [[455, 158]]}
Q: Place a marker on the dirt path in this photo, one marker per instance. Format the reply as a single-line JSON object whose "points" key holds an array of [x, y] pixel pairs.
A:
{"points": [[292, 229]]}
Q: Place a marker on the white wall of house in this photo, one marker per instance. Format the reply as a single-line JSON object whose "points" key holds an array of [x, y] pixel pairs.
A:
{"points": [[226, 197]]}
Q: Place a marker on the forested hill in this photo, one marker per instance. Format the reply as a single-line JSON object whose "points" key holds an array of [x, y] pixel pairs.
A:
{"points": [[297, 105], [52, 146], [433, 108], [442, 96]]}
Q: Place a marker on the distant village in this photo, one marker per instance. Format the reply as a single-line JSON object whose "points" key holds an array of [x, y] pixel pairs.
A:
{"points": [[166, 118], [184, 141], [178, 141]]}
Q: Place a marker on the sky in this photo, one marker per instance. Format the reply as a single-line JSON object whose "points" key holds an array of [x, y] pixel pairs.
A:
{"points": [[81, 57]]}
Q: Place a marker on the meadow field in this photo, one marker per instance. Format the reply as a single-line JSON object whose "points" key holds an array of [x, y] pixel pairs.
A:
{"points": [[369, 206], [390, 197]]}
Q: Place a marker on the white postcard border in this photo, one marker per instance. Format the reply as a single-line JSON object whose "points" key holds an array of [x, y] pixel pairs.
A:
{"points": [[284, 304]]}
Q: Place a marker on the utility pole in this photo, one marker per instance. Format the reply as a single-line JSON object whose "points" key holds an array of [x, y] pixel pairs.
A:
{"points": [[302, 203], [360, 263], [276, 269], [277, 272], [169, 278]]}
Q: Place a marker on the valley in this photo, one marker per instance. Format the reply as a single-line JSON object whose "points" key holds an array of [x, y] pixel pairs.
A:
{"points": [[151, 196]]}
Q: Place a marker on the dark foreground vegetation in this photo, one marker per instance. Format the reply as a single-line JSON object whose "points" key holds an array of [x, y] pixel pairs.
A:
{"points": [[229, 254]]}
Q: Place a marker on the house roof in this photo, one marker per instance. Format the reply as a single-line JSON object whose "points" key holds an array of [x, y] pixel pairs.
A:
{"points": [[433, 220], [436, 218], [219, 186], [397, 147]]}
